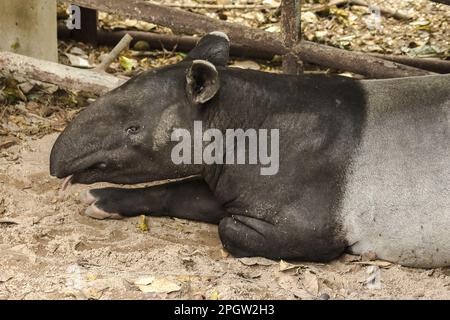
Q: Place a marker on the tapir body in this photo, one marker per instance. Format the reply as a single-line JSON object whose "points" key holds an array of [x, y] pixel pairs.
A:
{"points": [[364, 166]]}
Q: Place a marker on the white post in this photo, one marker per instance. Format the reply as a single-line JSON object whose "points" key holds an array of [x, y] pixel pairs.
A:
{"points": [[29, 28]]}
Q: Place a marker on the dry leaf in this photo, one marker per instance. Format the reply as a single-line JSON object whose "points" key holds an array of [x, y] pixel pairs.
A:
{"points": [[92, 293], [290, 284], [160, 285], [378, 263], [256, 261], [224, 253], [5, 277], [78, 51], [127, 63], [91, 277], [214, 295], [79, 62], [246, 64], [143, 224], [284, 266], [144, 281], [311, 283], [374, 280]]}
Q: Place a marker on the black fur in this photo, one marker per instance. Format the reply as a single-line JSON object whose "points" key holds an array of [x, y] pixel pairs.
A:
{"points": [[293, 214]]}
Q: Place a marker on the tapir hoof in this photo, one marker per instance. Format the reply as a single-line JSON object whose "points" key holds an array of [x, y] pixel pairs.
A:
{"points": [[86, 197], [94, 212]]}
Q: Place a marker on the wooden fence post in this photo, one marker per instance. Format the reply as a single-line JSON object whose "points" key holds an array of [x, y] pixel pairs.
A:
{"points": [[291, 35]]}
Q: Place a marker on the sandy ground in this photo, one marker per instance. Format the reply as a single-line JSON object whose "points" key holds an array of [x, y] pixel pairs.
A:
{"points": [[49, 250]]}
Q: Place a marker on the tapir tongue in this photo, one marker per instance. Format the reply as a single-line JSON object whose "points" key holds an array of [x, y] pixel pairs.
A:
{"points": [[66, 182]]}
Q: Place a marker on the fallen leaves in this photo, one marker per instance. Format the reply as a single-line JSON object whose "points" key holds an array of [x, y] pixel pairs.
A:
{"points": [[424, 51], [377, 263], [6, 142], [92, 293], [109, 21], [304, 280], [246, 64], [224, 253], [128, 64], [214, 295], [374, 279], [256, 261], [77, 61], [143, 223], [284, 266], [5, 277], [250, 275], [151, 284], [311, 283], [292, 285]]}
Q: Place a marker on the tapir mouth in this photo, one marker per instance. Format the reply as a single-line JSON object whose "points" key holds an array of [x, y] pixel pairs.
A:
{"points": [[70, 179], [80, 175], [78, 171], [91, 166]]}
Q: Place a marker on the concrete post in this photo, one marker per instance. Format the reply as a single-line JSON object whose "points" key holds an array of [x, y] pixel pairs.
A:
{"points": [[29, 28]]}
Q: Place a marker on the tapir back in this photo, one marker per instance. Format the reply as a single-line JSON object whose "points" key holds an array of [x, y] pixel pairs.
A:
{"points": [[397, 197]]}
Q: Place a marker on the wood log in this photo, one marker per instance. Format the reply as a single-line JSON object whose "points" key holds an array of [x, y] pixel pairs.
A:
{"points": [[185, 22], [358, 63], [64, 76], [430, 64], [169, 42], [249, 38], [221, 6]]}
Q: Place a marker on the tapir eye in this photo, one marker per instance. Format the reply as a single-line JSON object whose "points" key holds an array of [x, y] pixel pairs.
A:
{"points": [[132, 130]]}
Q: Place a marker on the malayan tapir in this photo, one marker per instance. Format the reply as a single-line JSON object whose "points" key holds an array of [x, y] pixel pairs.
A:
{"points": [[364, 166]]}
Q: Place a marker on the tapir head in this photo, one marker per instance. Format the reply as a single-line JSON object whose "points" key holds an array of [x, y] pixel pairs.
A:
{"points": [[125, 135]]}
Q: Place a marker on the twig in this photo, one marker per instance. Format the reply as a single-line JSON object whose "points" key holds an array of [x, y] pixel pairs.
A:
{"points": [[8, 222], [124, 43]]}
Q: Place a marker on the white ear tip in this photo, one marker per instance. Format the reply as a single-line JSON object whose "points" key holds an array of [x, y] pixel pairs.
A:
{"points": [[205, 63], [220, 34]]}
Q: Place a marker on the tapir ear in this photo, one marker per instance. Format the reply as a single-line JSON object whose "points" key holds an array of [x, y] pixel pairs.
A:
{"points": [[202, 81], [214, 47]]}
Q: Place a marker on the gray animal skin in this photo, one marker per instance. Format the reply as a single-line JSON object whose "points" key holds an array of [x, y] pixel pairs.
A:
{"points": [[364, 166], [397, 197]]}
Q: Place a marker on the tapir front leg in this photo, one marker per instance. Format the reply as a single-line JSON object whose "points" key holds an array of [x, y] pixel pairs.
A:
{"points": [[245, 236], [188, 199]]}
